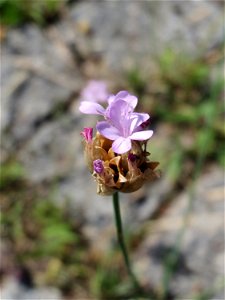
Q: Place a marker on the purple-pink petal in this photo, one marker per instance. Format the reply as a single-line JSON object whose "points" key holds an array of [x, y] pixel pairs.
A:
{"points": [[124, 95], [87, 107], [141, 135], [136, 120], [95, 91], [121, 145], [122, 124], [111, 98], [107, 130], [118, 114]]}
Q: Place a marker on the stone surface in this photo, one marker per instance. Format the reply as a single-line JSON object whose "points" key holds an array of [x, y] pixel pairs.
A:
{"points": [[50, 153], [134, 35], [200, 254], [12, 290], [36, 77], [43, 68]]}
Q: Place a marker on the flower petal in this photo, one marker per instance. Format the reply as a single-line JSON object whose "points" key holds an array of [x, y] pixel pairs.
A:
{"points": [[121, 94], [136, 120], [107, 130], [111, 98], [95, 91], [141, 135], [121, 145], [132, 100], [118, 114], [87, 107], [124, 95]]}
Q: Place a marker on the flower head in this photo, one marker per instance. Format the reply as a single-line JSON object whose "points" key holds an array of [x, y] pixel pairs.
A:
{"points": [[123, 126], [117, 155], [95, 91], [125, 173], [92, 108]]}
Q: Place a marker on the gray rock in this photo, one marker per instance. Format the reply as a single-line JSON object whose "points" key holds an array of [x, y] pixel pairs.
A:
{"points": [[53, 152], [40, 69], [134, 34], [200, 256], [142, 207], [37, 74], [11, 289]]}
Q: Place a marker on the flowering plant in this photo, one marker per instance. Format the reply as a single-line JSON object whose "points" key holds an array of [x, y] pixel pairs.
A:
{"points": [[117, 155]]}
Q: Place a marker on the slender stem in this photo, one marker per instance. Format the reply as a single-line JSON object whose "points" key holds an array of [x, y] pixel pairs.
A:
{"points": [[120, 237]]}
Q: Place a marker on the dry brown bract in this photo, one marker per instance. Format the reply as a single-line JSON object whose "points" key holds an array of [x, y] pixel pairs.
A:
{"points": [[126, 172]]}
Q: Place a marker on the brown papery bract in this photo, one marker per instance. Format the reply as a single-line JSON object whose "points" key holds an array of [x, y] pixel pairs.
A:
{"points": [[126, 172]]}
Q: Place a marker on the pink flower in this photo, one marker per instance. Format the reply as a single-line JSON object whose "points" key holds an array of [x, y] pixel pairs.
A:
{"points": [[94, 108], [123, 126], [122, 131], [95, 91]]}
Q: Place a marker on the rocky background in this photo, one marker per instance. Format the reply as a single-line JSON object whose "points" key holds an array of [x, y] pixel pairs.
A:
{"points": [[58, 239]]}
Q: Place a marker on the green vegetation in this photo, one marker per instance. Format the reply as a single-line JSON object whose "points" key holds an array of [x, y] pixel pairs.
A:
{"points": [[11, 173], [136, 82], [17, 12], [41, 234], [109, 282]]}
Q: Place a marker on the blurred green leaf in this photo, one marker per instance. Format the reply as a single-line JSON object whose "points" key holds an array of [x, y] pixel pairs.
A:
{"points": [[46, 212], [11, 13], [136, 82], [17, 12], [208, 110], [205, 141], [183, 114], [180, 71], [174, 168], [107, 284], [196, 74], [221, 157], [56, 236], [167, 60], [10, 173]]}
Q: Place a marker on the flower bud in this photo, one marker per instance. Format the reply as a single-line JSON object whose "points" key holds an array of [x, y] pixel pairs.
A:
{"points": [[98, 166], [87, 133]]}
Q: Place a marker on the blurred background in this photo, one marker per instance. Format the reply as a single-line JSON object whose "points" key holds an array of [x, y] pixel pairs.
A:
{"points": [[58, 239]]}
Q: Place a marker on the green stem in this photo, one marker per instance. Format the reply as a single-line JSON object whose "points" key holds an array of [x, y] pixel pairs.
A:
{"points": [[120, 237]]}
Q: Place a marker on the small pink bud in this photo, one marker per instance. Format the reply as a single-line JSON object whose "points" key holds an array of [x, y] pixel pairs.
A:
{"points": [[98, 166], [87, 134]]}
